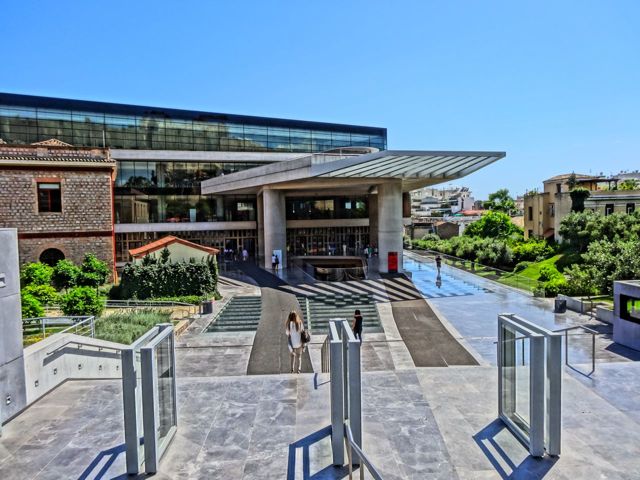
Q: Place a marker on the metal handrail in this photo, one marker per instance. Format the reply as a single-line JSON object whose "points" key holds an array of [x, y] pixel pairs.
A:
{"points": [[364, 461], [83, 344], [56, 321], [325, 355], [146, 303], [87, 322], [566, 347]]}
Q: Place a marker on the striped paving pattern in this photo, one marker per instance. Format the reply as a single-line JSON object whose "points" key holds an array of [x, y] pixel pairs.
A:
{"points": [[385, 290], [381, 291]]}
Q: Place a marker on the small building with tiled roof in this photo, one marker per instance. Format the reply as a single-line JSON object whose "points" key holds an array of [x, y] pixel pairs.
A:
{"points": [[60, 198], [180, 250]]}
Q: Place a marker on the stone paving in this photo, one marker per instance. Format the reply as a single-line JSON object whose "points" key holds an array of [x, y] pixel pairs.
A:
{"points": [[419, 423]]}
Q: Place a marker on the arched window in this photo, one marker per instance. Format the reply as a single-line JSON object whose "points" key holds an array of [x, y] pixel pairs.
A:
{"points": [[51, 256]]}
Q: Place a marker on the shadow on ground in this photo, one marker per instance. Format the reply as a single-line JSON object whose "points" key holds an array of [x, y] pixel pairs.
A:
{"points": [[329, 472], [505, 454]]}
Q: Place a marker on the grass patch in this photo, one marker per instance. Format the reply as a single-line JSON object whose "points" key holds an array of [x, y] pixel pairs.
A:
{"points": [[530, 274], [127, 327]]}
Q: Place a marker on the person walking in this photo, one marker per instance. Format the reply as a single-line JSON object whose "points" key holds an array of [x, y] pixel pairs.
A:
{"points": [[438, 262], [294, 329], [277, 262], [357, 325], [273, 262]]}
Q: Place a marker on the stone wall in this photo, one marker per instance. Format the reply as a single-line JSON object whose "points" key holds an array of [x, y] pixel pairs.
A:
{"points": [[86, 201], [74, 248], [84, 225]]}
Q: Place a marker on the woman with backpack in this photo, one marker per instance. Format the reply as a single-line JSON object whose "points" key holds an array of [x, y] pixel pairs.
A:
{"points": [[294, 328]]}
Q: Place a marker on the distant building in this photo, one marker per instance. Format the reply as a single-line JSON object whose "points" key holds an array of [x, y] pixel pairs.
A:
{"points": [[438, 202], [544, 211], [60, 198]]}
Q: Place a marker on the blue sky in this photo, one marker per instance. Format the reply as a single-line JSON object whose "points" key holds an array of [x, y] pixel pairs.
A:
{"points": [[556, 84]]}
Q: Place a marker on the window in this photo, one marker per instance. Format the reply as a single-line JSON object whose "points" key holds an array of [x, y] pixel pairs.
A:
{"points": [[530, 214], [608, 209], [530, 234], [49, 197], [558, 187], [631, 207], [552, 209]]}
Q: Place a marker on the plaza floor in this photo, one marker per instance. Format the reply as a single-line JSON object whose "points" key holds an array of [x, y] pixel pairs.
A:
{"points": [[418, 423]]}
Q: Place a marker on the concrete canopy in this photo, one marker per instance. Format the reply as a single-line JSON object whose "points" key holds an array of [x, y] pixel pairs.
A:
{"points": [[415, 169]]}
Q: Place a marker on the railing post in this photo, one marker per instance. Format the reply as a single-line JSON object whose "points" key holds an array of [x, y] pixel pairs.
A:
{"points": [[355, 391], [337, 395], [43, 322]]}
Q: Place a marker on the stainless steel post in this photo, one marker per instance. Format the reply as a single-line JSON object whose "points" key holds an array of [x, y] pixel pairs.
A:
{"points": [[337, 393]]}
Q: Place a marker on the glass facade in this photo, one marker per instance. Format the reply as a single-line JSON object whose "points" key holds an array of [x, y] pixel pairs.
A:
{"points": [[159, 192], [327, 240], [300, 208], [27, 119]]}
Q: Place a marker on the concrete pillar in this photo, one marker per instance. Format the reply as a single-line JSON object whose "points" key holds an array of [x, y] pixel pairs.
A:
{"points": [[390, 228], [220, 208], [373, 220], [275, 226], [12, 375], [260, 249]]}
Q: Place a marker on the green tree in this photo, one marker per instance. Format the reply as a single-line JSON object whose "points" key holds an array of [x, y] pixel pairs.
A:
{"points": [[65, 275], [31, 307], [629, 184], [165, 255], [578, 196], [81, 301], [36, 274], [493, 224], [94, 272], [501, 201], [45, 294]]}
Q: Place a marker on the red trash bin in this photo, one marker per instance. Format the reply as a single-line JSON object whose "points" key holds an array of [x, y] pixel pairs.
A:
{"points": [[392, 262]]}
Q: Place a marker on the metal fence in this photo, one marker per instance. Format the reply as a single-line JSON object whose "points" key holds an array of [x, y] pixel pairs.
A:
{"points": [[80, 325]]}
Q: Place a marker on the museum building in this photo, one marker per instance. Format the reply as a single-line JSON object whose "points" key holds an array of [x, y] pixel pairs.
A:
{"points": [[239, 182]]}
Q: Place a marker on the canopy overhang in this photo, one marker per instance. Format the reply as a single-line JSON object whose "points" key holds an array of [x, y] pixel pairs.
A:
{"points": [[414, 169]]}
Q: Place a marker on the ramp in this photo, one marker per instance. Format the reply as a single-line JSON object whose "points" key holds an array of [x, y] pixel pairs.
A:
{"points": [[270, 351]]}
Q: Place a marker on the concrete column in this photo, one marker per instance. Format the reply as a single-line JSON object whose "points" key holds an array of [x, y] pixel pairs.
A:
{"points": [[220, 208], [260, 249], [12, 374], [390, 226], [275, 226], [373, 220]]}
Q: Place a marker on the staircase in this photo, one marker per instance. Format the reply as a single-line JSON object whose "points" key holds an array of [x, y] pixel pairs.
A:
{"points": [[241, 314], [322, 308]]}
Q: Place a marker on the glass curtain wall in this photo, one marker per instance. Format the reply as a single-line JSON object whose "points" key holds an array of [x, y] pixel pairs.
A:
{"points": [[24, 125], [301, 208], [161, 192]]}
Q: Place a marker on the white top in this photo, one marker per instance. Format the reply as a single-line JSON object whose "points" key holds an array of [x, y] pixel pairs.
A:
{"points": [[296, 336]]}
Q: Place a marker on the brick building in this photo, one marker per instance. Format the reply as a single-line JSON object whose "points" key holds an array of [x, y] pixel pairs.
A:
{"points": [[60, 198]]}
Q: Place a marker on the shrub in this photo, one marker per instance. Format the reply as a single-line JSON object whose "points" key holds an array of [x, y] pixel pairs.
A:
{"points": [[81, 301], [534, 250], [93, 272], [521, 266], [167, 280], [36, 274], [554, 286], [127, 327], [31, 307], [45, 294], [65, 275], [548, 272]]}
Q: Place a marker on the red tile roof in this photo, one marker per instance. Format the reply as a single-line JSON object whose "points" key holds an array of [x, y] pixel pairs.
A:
{"points": [[165, 242]]}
